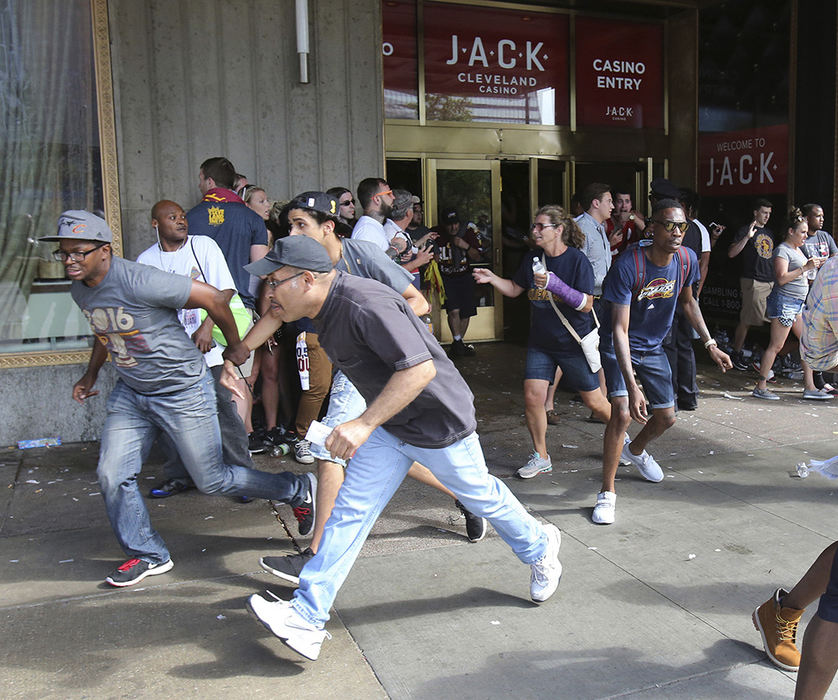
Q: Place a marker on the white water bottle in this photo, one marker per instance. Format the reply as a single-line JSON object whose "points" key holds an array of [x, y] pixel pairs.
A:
{"points": [[538, 267], [302, 360]]}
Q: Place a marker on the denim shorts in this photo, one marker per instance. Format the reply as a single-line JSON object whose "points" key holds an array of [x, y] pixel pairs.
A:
{"points": [[652, 370], [576, 375], [345, 404], [828, 606], [783, 307]]}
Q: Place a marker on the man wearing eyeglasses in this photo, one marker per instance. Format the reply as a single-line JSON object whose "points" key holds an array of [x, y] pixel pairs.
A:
{"points": [[376, 199], [163, 385], [640, 294], [418, 407]]}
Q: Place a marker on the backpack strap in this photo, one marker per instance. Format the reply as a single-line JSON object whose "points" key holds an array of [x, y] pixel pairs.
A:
{"points": [[639, 269]]}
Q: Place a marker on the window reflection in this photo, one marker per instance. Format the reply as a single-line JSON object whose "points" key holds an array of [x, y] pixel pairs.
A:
{"points": [[50, 161]]}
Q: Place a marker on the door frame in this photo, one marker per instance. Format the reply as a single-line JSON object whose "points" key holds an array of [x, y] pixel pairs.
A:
{"points": [[488, 324]]}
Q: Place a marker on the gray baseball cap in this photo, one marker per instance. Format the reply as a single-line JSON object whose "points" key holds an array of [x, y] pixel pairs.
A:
{"points": [[297, 251], [81, 225]]}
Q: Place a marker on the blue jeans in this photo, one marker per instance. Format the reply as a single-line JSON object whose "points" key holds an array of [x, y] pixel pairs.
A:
{"points": [[189, 418], [372, 477]]}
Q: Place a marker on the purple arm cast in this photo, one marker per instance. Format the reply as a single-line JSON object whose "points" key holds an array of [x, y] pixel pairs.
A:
{"points": [[570, 296]]}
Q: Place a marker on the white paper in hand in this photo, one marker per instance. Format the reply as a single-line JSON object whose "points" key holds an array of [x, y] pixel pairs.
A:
{"points": [[318, 432]]}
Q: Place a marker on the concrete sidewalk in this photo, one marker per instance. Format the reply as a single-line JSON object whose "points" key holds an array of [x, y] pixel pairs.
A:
{"points": [[657, 605]]}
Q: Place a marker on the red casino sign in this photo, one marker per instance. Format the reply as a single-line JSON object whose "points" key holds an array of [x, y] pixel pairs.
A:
{"points": [[520, 56], [749, 161], [619, 75]]}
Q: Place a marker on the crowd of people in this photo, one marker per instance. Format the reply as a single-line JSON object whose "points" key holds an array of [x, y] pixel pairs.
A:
{"points": [[205, 321]]}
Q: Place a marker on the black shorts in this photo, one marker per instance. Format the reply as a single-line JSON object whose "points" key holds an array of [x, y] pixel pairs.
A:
{"points": [[459, 294], [828, 607]]}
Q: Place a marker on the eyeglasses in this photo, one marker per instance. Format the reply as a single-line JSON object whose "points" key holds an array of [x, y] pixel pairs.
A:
{"points": [[347, 202], [378, 194], [538, 228], [670, 226], [273, 284], [61, 256]]}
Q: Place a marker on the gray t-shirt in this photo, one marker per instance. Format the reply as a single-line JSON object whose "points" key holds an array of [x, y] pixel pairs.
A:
{"points": [[370, 332], [798, 287], [133, 311], [365, 259]]}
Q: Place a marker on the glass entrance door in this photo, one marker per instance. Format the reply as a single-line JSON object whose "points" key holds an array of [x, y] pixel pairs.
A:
{"points": [[471, 188]]}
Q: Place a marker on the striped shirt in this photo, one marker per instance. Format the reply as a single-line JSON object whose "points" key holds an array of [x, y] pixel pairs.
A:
{"points": [[819, 342]]}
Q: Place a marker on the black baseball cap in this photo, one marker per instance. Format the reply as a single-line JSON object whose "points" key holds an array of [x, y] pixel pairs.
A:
{"points": [[663, 188], [81, 225], [318, 201], [297, 251]]}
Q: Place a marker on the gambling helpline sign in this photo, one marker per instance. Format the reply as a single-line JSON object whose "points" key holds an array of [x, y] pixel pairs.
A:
{"points": [[502, 53], [619, 74], [749, 161]]}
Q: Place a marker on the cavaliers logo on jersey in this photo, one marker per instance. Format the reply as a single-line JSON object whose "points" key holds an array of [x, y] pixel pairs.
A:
{"points": [[658, 288]]}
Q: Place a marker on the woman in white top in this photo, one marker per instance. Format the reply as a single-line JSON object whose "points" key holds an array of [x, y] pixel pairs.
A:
{"points": [[785, 304]]}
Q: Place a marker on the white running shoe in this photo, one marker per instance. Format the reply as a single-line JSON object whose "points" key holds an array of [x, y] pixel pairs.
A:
{"points": [[647, 465], [605, 510], [547, 571], [535, 465], [286, 623], [623, 460]]}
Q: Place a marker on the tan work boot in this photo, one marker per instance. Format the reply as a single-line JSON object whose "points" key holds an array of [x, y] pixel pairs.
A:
{"points": [[778, 628]]}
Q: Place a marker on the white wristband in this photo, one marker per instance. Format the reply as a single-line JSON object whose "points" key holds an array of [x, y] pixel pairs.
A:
{"points": [[710, 342]]}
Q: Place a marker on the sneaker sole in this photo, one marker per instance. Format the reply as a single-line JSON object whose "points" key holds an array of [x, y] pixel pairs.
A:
{"points": [[312, 478], [311, 655], [304, 460], [774, 659], [162, 569], [279, 574], [482, 534], [546, 470]]}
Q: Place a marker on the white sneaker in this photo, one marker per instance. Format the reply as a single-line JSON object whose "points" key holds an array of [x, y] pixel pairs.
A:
{"points": [[302, 452], [535, 465], [547, 571], [623, 460], [280, 618], [605, 510], [647, 465]]}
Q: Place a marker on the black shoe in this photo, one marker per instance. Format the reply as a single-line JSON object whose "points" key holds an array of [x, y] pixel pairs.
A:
{"points": [[171, 487], [460, 349], [475, 525], [258, 442], [739, 361], [276, 436], [287, 568], [135, 570], [304, 513], [687, 406]]}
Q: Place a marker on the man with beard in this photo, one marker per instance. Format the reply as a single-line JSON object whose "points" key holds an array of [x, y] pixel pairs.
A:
{"points": [[376, 199]]}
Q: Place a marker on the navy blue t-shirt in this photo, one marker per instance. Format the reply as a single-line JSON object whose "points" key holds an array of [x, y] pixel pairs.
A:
{"points": [[651, 292], [235, 228], [547, 332]]}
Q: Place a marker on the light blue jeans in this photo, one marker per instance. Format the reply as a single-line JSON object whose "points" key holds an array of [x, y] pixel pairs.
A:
{"points": [[345, 404], [372, 477], [189, 419]]}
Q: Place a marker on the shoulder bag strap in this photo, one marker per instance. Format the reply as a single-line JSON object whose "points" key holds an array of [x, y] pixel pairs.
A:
{"points": [[565, 322]]}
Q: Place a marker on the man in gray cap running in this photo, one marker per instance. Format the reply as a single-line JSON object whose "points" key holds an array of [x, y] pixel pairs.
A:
{"points": [[163, 385]]}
